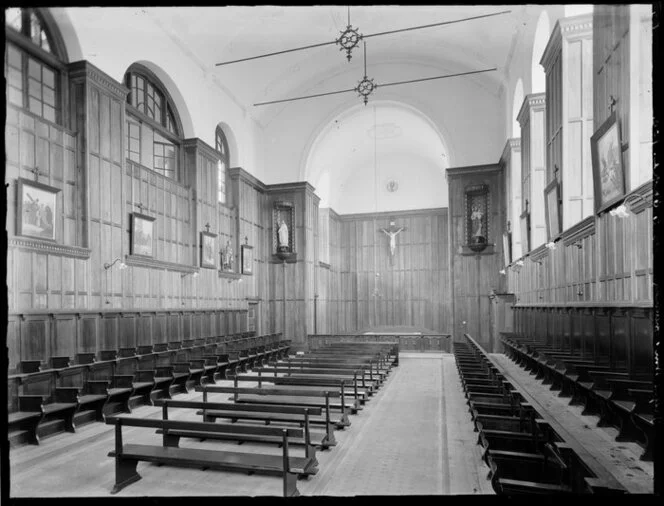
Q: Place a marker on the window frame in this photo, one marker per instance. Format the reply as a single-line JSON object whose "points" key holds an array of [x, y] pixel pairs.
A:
{"points": [[54, 60], [225, 158], [137, 116]]}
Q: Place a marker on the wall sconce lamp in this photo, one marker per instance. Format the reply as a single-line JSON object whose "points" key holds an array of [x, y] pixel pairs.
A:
{"points": [[502, 271], [193, 274], [624, 209], [538, 262], [578, 244], [519, 263], [551, 245], [122, 264]]}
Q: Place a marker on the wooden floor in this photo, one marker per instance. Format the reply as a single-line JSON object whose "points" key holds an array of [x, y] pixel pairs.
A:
{"points": [[414, 437]]}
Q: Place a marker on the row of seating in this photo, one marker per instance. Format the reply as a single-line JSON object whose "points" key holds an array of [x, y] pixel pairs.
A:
{"points": [[524, 453], [268, 412], [69, 392], [619, 398]]}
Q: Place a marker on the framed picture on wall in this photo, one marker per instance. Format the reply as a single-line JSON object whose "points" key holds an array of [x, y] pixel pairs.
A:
{"points": [[552, 209], [142, 235], [207, 250], [507, 248], [37, 209], [608, 169], [247, 259]]}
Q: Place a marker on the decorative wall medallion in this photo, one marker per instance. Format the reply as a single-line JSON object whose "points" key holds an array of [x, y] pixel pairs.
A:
{"points": [[392, 185]]}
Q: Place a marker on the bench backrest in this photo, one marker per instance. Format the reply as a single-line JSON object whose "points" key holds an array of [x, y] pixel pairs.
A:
{"points": [[230, 406]]}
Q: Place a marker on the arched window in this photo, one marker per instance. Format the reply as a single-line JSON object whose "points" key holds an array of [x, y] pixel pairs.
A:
{"points": [[33, 64], [153, 125], [221, 145]]}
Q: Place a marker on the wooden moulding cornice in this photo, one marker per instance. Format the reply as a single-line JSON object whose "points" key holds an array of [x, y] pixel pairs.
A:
{"points": [[589, 305], [532, 101], [42, 314], [581, 230], [202, 146], [576, 26], [473, 169], [243, 175], [139, 261], [393, 214], [539, 253], [294, 186], [26, 243], [644, 191], [513, 144], [83, 69]]}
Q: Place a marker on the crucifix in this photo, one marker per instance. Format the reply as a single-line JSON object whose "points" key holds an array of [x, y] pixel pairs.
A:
{"points": [[392, 233], [140, 206], [207, 228], [36, 172]]}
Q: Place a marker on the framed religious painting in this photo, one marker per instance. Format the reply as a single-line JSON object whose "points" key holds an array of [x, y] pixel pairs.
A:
{"points": [[608, 169], [142, 235], [37, 209], [207, 250], [247, 259], [552, 209]]}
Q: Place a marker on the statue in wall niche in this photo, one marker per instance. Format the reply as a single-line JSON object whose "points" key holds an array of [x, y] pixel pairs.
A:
{"points": [[282, 233], [227, 257], [478, 236]]}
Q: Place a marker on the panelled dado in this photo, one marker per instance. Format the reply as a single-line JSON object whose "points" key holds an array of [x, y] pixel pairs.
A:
{"points": [[623, 333], [33, 336]]}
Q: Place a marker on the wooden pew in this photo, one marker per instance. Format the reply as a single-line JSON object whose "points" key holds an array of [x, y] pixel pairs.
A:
{"points": [[309, 381], [357, 377], [127, 456], [213, 410], [287, 396]]}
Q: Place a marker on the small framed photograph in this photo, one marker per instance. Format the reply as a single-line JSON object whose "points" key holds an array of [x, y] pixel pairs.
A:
{"points": [[525, 232], [37, 209], [247, 259], [207, 250], [142, 235], [608, 169], [552, 209]]}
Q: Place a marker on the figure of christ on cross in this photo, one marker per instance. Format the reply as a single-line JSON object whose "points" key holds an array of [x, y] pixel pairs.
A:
{"points": [[392, 234]]}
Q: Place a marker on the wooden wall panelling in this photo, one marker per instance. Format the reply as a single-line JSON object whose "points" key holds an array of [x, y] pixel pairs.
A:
{"points": [[128, 338], [35, 338], [64, 335], [13, 342], [620, 337], [109, 331], [603, 334], [641, 345], [576, 330], [88, 334], [590, 337], [144, 332]]}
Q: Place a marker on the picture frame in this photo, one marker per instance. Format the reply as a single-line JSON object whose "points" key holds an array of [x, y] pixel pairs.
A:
{"points": [[208, 254], [247, 259], [37, 210], [142, 235], [552, 209], [607, 164], [524, 221]]}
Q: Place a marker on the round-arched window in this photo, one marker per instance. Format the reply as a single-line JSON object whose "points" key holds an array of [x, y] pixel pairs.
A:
{"points": [[221, 145], [153, 125]]}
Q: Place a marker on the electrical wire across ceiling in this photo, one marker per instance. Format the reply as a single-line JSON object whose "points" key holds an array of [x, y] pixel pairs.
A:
{"points": [[351, 37], [367, 86]]}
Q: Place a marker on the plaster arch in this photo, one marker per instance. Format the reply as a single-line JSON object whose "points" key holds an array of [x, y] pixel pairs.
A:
{"points": [[517, 101], [345, 111], [542, 33], [176, 96], [231, 140]]}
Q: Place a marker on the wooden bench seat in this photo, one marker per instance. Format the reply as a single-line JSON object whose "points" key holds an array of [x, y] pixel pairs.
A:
{"points": [[127, 456]]}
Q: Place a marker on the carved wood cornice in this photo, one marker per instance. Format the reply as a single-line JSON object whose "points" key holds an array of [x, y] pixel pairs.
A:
{"points": [[512, 145], [473, 169], [242, 175], [391, 214], [200, 145], [636, 204], [26, 243], [286, 187], [85, 70], [566, 28], [534, 101], [579, 231], [42, 314]]}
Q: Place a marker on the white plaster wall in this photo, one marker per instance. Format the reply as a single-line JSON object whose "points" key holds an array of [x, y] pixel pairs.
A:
{"points": [[114, 38], [468, 115]]}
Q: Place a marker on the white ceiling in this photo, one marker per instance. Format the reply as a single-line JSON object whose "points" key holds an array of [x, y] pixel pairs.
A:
{"points": [[217, 34]]}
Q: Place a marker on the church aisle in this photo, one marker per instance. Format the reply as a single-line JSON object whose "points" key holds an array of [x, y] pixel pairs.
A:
{"points": [[414, 438]]}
